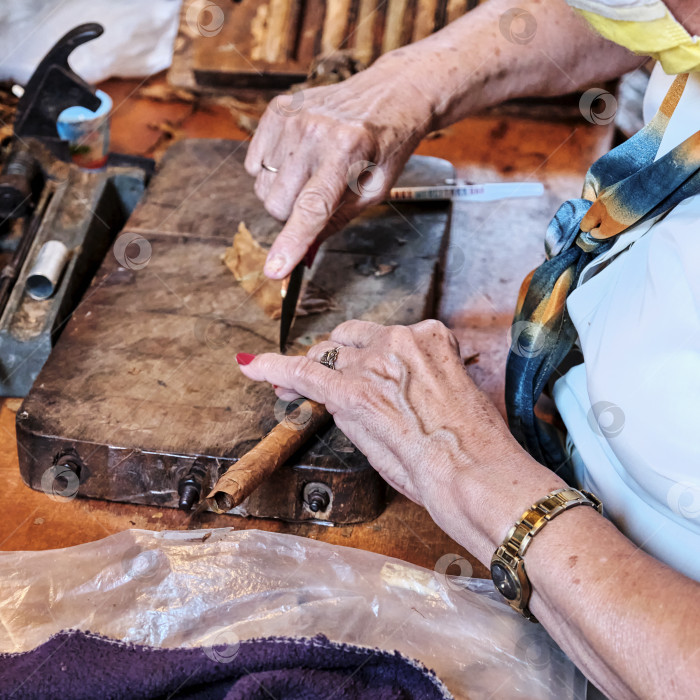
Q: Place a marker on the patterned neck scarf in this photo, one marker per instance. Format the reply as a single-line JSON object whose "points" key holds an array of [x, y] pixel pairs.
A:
{"points": [[624, 187]]}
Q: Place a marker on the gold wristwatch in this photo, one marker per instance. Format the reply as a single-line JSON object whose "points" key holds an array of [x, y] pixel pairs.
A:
{"points": [[507, 565]]}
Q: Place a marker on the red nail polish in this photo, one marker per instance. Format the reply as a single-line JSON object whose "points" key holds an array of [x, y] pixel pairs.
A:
{"points": [[244, 358], [274, 386]]}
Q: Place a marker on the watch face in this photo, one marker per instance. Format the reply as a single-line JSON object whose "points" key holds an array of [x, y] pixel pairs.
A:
{"points": [[505, 581]]}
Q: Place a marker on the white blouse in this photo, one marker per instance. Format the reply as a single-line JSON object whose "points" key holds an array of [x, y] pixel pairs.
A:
{"points": [[632, 410]]}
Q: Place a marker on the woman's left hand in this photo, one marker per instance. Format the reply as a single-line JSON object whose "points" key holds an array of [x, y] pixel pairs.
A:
{"points": [[402, 395]]}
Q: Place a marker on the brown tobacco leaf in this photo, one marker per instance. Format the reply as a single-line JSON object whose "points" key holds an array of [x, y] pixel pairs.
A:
{"points": [[163, 92], [246, 259], [169, 134]]}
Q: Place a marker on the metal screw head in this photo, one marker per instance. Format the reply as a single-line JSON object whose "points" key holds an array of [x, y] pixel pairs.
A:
{"points": [[189, 495], [318, 501], [317, 497]]}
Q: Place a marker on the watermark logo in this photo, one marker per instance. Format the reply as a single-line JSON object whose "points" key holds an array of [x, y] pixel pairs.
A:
{"points": [[533, 649], [518, 26], [527, 339], [221, 645], [454, 571], [205, 18], [684, 499], [60, 483], [132, 251], [143, 564], [365, 178], [294, 414], [289, 104], [455, 258], [216, 333], [606, 419], [598, 106]]}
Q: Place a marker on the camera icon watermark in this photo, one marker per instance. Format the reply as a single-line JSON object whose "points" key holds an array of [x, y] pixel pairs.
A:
{"points": [[288, 104], [60, 483], [533, 649], [140, 564], [205, 18], [365, 179], [527, 339], [517, 26], [455, 258], [294, 414], [215, 333], [683, 499], [132, 251], [606, 419], [598, 106], [454, 571], [221, 645]]}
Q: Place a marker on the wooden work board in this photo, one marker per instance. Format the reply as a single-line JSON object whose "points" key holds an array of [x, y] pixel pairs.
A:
{"points": [[142, 389]]}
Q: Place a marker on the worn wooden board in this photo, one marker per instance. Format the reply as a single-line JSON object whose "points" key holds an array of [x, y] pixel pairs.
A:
{"points": [[143, 379]]}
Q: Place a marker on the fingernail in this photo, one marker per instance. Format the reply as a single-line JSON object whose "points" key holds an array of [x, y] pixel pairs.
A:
{"points": [[244, 358], [274, 264], [274, 386]]}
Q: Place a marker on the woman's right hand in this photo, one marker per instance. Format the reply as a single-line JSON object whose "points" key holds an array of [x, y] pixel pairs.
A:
{"points": [[337, 149]]}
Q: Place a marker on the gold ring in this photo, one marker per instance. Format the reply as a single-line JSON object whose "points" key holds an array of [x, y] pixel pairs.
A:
{"points": [[269, 168], [329, 357]]}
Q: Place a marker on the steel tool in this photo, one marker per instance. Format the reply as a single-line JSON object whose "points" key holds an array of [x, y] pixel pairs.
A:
{"points": [[450, 190]]}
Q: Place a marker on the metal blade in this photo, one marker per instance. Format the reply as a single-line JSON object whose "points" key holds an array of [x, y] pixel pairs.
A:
{"points": [[289, 303]]}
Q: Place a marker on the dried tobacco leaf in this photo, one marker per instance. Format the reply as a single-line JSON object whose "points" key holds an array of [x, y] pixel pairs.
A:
{"points": [[246, 259]]}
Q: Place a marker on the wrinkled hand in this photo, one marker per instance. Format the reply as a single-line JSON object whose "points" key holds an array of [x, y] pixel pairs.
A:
{"points": [[402, 395], [337, 149]]}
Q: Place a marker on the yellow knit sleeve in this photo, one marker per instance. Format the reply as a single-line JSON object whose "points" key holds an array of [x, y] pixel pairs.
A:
{"points": [[663, 39]]}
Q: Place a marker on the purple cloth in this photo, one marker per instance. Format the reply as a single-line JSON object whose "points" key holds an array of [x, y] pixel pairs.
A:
{"points": [[76, 664]]}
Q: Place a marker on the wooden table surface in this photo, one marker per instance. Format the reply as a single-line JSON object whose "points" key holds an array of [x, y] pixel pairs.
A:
{"points": [[495, 245]]}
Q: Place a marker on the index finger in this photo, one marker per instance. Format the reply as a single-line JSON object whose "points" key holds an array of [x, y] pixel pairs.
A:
{"points": [[299, 373], [313, 209]]}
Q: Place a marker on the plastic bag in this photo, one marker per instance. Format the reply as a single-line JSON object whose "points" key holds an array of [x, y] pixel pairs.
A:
{"points": [[208, 587], [138, 38]]}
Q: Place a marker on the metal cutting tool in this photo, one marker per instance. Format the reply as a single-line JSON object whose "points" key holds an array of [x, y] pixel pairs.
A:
{"points": [[451, 190]]}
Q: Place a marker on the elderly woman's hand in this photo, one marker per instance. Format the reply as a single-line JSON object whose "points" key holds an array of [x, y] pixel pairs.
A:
{"points": [[329, 152], [402, 395]]}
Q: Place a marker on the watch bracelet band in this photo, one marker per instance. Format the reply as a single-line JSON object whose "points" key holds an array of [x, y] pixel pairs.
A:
{"points": [[532, 521], [541, 512]]}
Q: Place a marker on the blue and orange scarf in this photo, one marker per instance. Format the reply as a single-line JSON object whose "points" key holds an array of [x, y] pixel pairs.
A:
{"points": [[623, 188]]}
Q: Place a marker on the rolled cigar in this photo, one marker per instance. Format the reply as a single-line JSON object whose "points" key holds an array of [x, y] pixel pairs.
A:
{"points": [[241, 479], [364, 33], [279, 17], [394, 29], [424, 23], [455, 9], [334, 25]]}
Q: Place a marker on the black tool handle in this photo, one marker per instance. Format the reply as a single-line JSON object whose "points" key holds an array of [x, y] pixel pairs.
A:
{"points": [[54, 86]]}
